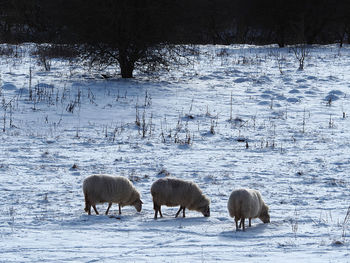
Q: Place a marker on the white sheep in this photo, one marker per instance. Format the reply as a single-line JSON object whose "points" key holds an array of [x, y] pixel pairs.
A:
{"points": [[174, 192], [111, 189], [247, 203]]}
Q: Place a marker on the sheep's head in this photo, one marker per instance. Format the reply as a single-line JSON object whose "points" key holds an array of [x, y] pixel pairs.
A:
{"points": [[206, 211], [264, 215], [138, 205], [204, 206]]}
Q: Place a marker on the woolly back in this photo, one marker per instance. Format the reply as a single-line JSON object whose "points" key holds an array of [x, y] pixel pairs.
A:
{"points": [[242, 202], [173, 191], [247, 202], [110, 188]]}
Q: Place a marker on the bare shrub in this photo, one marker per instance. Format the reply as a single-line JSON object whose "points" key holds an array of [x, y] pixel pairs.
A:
{"points": [[45, 53], [346, 222], [301, 52]]}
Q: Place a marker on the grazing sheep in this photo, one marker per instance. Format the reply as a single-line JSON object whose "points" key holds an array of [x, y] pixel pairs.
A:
{"points": [[174, 192], [247, 203], [110, 189]]}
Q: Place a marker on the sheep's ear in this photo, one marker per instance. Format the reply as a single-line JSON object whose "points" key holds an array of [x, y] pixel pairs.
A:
{"points": [[141, 201]]}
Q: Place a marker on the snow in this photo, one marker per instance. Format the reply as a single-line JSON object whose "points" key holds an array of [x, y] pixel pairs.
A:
{"points": [[229, 120]]}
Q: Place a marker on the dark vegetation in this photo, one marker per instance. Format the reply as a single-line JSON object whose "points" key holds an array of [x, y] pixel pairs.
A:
{"points": [[148, 33]]}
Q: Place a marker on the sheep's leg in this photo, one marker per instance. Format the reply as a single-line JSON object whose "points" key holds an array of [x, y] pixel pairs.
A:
{"points": [[120, 210], [178, 212], [237, 227], [87, 204], [88, 209], [94, 207], [109, 206], [160, 211], [183, 210], [242, 222], [250, 222], [156, 209]]}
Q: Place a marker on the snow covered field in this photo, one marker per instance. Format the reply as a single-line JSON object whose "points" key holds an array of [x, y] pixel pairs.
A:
{"points": [[229, 120]]}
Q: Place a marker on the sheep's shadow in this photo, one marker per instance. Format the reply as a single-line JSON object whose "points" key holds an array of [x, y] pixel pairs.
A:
{"points": [[85, 220], [178, 221], [255, 230]]}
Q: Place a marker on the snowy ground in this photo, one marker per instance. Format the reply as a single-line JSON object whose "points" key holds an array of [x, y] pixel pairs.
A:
{"points": [[74, 124]]}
